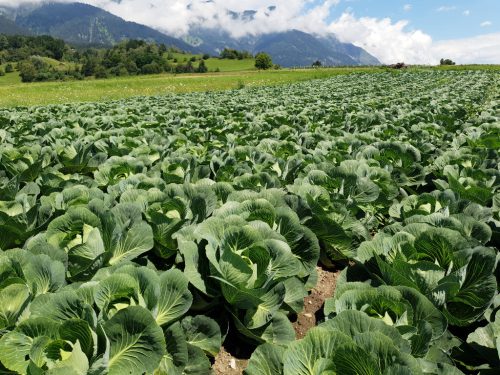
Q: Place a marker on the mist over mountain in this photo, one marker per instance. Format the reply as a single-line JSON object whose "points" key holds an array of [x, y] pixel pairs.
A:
{"points": [[83, 24], [9, 27]]}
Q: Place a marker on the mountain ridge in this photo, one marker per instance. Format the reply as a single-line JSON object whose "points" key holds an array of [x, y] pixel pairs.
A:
{"points": [[83, 24], [287, 48], [9, 27]]}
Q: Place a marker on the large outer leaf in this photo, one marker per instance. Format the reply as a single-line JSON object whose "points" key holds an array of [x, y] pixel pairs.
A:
{"points": [[13, 300], [174, 298], [477, 290], [76, 363], [424, 310], [130, 244], [383, 350], [203, 332], [352, 322], [71, 228], [439, 244], [301, 239], [300, 357], [77, 330], [114, 288], [60, 307], [137, 344], [278, 331], [44, 275], [14, 351], [82, 257], [267, 359], [269, 305]]}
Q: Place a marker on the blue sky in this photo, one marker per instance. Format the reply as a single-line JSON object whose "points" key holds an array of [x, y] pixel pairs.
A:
{"points": [[413, 31], [440, 19]]}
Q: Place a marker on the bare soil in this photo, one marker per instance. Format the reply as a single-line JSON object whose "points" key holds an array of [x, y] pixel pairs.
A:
{"points": [[234, 364], [226, 364], [314, 302]]}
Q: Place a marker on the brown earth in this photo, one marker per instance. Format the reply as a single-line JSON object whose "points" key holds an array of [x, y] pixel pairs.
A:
{"points": [[227, 364], [314, 302]]}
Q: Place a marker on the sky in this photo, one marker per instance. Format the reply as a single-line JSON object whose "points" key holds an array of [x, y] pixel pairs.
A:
{"points": [[413, 31]]}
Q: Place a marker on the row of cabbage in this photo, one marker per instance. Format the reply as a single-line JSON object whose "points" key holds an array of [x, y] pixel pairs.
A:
{"points": [[137, 235]]}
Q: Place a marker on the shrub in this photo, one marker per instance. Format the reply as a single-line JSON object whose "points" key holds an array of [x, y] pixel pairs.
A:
{"points": [[263, 61], [202, 68], [152, 68], [446, 62]]}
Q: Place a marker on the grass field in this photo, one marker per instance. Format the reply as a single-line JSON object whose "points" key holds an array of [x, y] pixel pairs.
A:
{"points": [[14, 93], [224, 65]]}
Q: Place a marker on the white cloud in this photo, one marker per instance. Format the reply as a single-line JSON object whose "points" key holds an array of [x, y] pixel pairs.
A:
{"points": [[388, 41], [466, 12], [176, 16], [486, 24], [484, 49], [445, 8], [407, 7]]}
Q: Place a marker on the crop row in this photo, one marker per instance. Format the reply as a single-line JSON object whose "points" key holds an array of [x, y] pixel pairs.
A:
{"points": [[136, 236]]}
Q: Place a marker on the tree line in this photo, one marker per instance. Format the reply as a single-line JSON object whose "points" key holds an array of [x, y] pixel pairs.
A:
{"points": [[44, 58]]}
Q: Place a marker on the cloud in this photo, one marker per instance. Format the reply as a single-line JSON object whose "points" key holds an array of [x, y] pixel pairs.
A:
{"points": [[176, 16], [486, 24], [445, 8], [407, 7], [484, 49], [390, 42], [466, 12]]}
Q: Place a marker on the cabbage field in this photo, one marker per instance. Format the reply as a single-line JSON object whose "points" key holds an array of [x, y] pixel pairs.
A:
{"points": [[140, 236]]}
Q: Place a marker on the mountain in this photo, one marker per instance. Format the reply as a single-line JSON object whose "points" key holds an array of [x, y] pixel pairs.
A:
{"points": [[289, 48], [83, 24], [9, 27]]}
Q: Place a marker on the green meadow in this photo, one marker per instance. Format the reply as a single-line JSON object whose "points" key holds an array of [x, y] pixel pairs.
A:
{"points": [[234, 74], [15, 93]]}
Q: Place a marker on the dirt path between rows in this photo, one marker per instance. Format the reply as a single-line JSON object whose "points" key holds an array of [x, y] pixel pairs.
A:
{"points": [[313, 303], [227, 364]]}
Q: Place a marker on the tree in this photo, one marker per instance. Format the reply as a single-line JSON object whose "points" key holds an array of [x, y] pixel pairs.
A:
{"points": [[446, 62], [9, 68], [100, 72], [228, 53], [202, 68], [317, 64], [89, 66], [2, 73], [27, 71], [4, 42], [205, 56], [152, 68], [263, 61]]}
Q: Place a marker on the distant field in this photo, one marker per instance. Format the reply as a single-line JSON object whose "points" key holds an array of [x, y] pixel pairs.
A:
{"points": [[14, 93], [224, 65]]}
